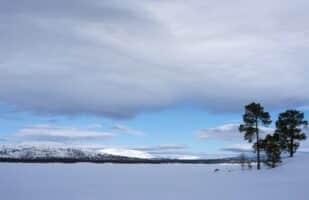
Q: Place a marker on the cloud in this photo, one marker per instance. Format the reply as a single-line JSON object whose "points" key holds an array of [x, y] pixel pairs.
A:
{"points": [[126, 130], [163, 147], [188, 157], [167, 150], [120, 58], [238, 148], [126, 152], [50, 133], [228, 132], [176, 152], [157, 151]]}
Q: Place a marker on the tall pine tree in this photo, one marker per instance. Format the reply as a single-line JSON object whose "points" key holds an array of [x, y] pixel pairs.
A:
{"points": [[253, 117], [289, 126]]}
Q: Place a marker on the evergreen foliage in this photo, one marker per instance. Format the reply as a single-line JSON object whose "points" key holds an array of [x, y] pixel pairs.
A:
{"points": [[289, 127], [272, 147], [253, 117]]}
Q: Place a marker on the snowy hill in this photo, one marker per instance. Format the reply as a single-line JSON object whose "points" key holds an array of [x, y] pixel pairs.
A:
{"points": [[60, 153], [53, 153]]}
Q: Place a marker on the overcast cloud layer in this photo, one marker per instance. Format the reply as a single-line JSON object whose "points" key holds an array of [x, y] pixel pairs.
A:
{"points": [[119, 58]]}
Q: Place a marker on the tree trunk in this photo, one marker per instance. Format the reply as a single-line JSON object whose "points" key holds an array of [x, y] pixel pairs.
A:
{"points": [[257, 144], [292, 147]]}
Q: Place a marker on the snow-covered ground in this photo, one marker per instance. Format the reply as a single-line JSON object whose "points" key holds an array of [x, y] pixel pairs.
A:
{"points": [[153, 182]]}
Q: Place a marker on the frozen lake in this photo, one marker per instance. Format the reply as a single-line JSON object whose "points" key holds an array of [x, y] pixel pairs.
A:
{"points": [[87, 181]]}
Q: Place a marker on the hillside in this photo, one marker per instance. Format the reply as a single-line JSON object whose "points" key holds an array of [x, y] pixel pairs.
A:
{"points": [[62, 154]]}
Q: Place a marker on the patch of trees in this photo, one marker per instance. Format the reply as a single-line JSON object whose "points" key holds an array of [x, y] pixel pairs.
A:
{"points": [[285, 138]]}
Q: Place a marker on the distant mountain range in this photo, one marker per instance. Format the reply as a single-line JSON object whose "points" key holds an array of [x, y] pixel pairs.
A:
{"points": [[46, 154]]}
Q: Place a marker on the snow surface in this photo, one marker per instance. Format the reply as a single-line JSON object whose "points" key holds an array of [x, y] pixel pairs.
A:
{"points": [[86, 181]]}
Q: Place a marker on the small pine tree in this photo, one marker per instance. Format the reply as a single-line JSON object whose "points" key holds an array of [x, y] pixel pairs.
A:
{"points": [[289, 127], [272, 147]]}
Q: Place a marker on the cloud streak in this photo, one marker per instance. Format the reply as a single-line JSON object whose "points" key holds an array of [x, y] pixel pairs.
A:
{"points": [[239, 148], [50, 133], [126, 130], [228, 132]]}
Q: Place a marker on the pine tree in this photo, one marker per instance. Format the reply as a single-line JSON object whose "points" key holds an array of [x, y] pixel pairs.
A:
{"points": [[253, 117], [272, 147], [289, 127]]}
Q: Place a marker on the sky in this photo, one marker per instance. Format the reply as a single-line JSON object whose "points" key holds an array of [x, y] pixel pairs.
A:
{"points": [[164, 76]]}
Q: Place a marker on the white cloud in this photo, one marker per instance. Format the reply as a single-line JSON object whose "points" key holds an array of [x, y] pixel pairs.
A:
{"points": [[126, 152], [126, 130], [120, 58], [228, 132], [238, 148], [150, 152], [50, 133], [188, 157], [163, 147]]}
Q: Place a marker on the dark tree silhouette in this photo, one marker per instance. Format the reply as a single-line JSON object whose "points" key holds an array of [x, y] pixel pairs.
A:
{"points": [[289, 126], [253, 117], [272, 147]]}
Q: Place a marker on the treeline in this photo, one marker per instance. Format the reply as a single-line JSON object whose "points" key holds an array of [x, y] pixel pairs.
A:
{"points": [[120, 160], [285, 138]]}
